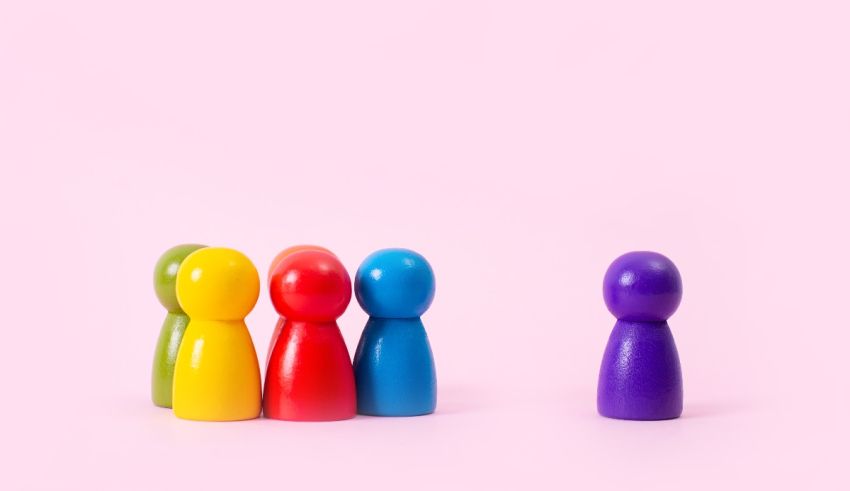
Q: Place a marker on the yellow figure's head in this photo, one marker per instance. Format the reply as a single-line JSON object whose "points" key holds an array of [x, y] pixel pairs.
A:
{"points": [[216, 283]]}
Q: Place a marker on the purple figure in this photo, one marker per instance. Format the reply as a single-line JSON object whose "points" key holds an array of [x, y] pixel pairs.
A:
{"points": [[640, 377]]}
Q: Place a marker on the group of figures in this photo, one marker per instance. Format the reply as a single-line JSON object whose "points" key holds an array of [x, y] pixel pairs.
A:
{"points": [[205, 365], [206, 368]]}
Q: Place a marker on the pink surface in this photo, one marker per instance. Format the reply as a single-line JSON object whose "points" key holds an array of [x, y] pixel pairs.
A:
{"points": [[519, 146]]}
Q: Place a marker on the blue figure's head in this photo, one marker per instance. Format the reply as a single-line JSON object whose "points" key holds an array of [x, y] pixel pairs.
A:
{"points": [[395, 284], [642, 287]]}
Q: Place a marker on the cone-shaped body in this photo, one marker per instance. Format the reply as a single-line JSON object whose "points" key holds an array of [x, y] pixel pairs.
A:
{"points": [[217, 377], [394, 369], [640, 377], [165, 357], [309, 377]]}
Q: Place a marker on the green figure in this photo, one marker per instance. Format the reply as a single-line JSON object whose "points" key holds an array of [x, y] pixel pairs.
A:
{"points": [[164, 277]]}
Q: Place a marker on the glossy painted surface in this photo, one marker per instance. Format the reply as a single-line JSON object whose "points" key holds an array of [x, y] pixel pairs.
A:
{"points": [[309, 375], [642, 286], [394, 369], [393, 365], [394, 283], [217, 377], [640, 377], [278, 327], [217, 283], [277, 259], [171, 332], [165, 357], [291, 250]]}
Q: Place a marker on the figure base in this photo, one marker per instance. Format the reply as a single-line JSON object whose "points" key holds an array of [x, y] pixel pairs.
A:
{"points": [[190, 417], [640, 417], [307, 419], [397, 414]]}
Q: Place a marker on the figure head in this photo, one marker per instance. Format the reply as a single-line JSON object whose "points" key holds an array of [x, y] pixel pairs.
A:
{"points": [[217, 283], [290, 250], [310, 285], [394, 283], [165, 275], [642, 287]]}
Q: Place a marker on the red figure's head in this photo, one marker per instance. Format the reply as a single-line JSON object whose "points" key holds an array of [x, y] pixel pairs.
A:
{"points": [[310, 285]]}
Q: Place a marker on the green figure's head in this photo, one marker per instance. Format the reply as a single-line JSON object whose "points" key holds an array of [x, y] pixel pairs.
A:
{"points": [[165, 275]]}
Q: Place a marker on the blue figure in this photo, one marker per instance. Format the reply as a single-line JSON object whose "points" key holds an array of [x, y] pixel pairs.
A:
{"points": [[393, 365]]}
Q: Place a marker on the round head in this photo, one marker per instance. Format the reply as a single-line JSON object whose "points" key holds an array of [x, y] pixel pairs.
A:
{"points": [[310, 285], [165, 274], [642, 287], [291, 250], [395, 283], [217, 283]]}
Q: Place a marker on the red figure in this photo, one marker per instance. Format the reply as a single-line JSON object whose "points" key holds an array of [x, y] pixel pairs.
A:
{"points": [[309, 375]]}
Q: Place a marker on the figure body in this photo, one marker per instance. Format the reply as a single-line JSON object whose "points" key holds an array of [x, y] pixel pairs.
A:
{"points": [[217, 377], [640, 377], [394, 369], [393, 365], [171, 332]]}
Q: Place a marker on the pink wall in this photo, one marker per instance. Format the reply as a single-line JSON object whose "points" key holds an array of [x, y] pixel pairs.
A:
{"points": [[520, 146]]}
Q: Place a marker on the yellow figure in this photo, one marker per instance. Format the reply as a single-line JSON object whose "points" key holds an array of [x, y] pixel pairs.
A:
{"points": [[216, 376]]}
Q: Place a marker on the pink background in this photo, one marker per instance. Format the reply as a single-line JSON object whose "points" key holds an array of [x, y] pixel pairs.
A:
{"points": [[520, 146]]}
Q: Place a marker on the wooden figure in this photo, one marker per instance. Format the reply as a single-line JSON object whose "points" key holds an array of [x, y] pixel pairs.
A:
{"points": [[393, 365], [640, 377], [309, 375], [171, 333], [217, 377]]}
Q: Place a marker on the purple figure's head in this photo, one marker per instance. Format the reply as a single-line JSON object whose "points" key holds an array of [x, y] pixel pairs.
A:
{"points": [[642, 287]]}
